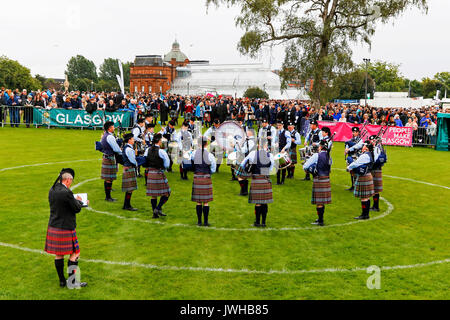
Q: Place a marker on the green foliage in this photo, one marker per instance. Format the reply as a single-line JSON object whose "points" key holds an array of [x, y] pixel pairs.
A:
{"points": [[352, 85], [386, 75], [15, 76], [81, 68], [317, 34], [415, 232], [82, 84], [430, 87], [256, 93], [110, 68], [107, 85]]}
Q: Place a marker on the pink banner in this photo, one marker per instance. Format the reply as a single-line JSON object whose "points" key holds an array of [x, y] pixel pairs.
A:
{"points": [[394, 136]]}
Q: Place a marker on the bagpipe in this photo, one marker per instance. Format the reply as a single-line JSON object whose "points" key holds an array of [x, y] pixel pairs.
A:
{"points": [[382, 158]]}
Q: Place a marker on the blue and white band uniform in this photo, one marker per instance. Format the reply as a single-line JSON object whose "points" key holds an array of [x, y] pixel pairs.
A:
{"points": [[252, 157], [212, 160], [163, 155], [309, 137], [283, 138], [313, 160], [330, 142], [362, 160], [357, 146], [149, 138], [297, 137], [246, 147], [273, 132], [113, 143], [129, 156], [137, 131], [210, 134], [184, 140]]}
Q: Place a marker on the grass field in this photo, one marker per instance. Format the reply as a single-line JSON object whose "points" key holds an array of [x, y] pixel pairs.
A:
{"points": [[153, 260]]}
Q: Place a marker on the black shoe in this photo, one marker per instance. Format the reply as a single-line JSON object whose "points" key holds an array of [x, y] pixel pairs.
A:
{"points": [[130, 209], [375, 209], [111, 200], [63, 284], [306, 178], [161, 214], [155, 216], [350, 189], [233, 179], [206, 225], [79, 285], [256, 225], [282, 182], [199, 224], [361, 217], [263, 225], [318, 223]]}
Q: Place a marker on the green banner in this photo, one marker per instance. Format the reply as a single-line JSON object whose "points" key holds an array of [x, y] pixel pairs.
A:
{"points": [[80, 118]]}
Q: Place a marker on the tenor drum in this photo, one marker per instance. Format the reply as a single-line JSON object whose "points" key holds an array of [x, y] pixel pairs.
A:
{"points": [[232, 159], [283, 160]]}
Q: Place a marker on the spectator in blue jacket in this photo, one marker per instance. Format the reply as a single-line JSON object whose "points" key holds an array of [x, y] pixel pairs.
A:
{"points": [[14, 110]]}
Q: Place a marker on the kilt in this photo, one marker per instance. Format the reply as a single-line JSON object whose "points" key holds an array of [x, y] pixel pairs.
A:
{"points": [[377, 180], [61, 242], [241, 173], [260, 190], [364, 186], [293, 156], [321, 191], [109, 168], [202, 188], [157, 184], [129, 180]]}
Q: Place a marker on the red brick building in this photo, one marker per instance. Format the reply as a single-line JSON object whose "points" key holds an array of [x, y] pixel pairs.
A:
{"points": [[153, 74]]}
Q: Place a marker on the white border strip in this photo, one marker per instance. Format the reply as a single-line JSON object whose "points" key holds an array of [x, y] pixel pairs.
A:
{"points": [[46, 164], [229, 270]]}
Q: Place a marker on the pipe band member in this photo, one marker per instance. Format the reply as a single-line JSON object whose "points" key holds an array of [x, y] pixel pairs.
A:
{"points": [[319, 165], [217, 151], [139, 140], [380, 159], [157, 161], [129, 179], [364, 188], [284, 144], [109, 165], [267, 132], [169, 134], [326, 136], [242, 152], [312, 140], [353, 145], [261, 162], [204, 165], [61, 237], [185, 144], [296, 140]]}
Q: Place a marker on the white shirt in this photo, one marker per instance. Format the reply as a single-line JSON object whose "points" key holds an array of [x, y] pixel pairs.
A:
{"points": [[253, 158], [211, 159]]}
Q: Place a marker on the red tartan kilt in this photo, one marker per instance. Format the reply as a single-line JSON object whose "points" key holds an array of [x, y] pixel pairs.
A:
{"points": [[260, 190], [61, 242], [377, 180], [109, 168], [202, 188], [129, 180], [321, 192], [157, 184], [364, 186]]}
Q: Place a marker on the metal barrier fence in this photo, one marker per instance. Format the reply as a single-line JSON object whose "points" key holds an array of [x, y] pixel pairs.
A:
{"points": [[421, 137]]}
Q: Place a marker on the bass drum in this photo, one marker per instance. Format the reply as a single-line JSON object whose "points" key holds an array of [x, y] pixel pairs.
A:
{"points": [[228, 134]]}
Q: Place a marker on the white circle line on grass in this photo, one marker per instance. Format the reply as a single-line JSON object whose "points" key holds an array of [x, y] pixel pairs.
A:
{"points": [[229, 270], [406, 179], [384, 214], [46, 164]]}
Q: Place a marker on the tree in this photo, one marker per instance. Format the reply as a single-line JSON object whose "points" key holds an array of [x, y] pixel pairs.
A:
{"points": [[386, 75], [256, 93], [416, 88], [82, 84], [352, 85], [317, 33], [15, 76], [444, 80], [81, 68], [430, 87], [110, 68], [107, 85]]}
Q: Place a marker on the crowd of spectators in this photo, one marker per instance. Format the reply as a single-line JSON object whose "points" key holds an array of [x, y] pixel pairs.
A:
{"points": [[207, 108]]}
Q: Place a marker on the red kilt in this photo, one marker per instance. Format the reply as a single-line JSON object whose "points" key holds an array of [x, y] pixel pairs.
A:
{"points": [[109, 168], [129, 180], [260, 190], [157, 184], [377, 180], [202, 188], [321, 191], [61, 242], [364, 186]]}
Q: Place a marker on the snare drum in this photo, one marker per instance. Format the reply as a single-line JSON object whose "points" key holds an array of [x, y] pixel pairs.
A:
{"points": [[283, 160], [232, 159]]}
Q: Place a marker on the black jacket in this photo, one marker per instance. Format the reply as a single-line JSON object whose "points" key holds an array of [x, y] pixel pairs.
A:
{"points": [[63, 208]]}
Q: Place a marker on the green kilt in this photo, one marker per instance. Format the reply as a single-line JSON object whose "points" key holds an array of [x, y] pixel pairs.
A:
{"points": [[364, 186], [109, 168], [260, 190], [377, 180], [129, 180], [321, 191]]}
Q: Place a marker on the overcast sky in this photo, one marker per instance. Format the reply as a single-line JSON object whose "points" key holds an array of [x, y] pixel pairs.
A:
{"points": [[43, 35]]}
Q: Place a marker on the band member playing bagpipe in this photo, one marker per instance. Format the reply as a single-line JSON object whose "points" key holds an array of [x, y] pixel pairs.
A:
{"points": [[61, 237], [380, 158], [148, 134], [216, 151], [242, 152], [260, 164], [351, 147], [267, 132], [157, 184], [236, 147], [139, 142], [185, 145], [296, 140], [148, 119], [313, 139], [204, 165], [129, 181], [319, 165], [192, 128], [326, 136], [169, 134], [364, 188], [109, 164], [284, 141]]}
